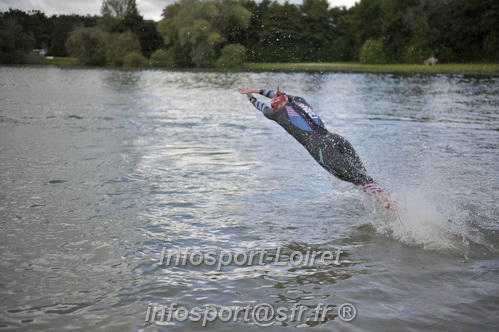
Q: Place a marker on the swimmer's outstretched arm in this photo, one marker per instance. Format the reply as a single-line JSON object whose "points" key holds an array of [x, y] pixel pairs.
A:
{"points": [[262, 107], [264, 92], [248, 90]]}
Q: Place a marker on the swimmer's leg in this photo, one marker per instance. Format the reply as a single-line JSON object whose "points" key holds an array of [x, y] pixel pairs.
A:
{"points": [[343, 168], [344, 147]]}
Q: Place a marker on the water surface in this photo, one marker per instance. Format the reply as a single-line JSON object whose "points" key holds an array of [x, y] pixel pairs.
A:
{"points": [[102, 169]]}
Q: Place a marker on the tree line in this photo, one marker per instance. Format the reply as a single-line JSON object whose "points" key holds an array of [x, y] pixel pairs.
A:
{"points": [[225, 33]]}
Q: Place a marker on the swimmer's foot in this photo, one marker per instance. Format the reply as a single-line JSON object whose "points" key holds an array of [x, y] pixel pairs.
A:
{"points": [[381, 196], [384, 199]]}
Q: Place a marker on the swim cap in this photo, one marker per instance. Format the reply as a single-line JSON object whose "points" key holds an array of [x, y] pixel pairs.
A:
{"points": [[277, 99]]}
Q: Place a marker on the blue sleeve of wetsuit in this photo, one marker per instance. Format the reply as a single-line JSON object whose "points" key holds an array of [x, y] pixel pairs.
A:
{"points": [[261, 106], [268, 93], [269, 112]]}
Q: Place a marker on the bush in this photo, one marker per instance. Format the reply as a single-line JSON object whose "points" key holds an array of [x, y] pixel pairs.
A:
{"points": [[233, 56], [161, 58], [374, 52], [179, 56], [119, 45], [417, 53], [88, 45], [135, 59], [203, 55]]}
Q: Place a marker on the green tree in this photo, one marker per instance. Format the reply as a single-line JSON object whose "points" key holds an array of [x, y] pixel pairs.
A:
{"points": [[178, 55], [63, 25], [39, 27], [88, 45], [424, 20], [177, 50], [119, 16], [366, 19], [471, 25], [119, 9], [195, 28], [149, 37], [16, 41], [374, 51], [118, 45], [318, 28], [250, 36], [195, 32], [282, 38], [233, 56], [343, 46]]}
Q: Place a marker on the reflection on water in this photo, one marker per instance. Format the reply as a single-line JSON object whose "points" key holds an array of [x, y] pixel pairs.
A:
{"points": [[102, 169]]}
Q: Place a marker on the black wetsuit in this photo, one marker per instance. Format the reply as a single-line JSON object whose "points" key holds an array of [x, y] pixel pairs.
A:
{"points": [[331, 151]]}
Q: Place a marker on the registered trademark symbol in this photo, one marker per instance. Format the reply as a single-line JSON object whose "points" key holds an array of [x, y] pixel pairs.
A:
{"points": [[347, 312]]}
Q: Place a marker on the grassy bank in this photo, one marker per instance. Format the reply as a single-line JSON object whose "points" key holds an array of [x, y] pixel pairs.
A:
{"points": [[487, 68], [490, 68], [59, 61]]}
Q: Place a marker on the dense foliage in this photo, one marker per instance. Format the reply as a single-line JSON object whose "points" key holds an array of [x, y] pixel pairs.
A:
{"points": [[224, 33]]}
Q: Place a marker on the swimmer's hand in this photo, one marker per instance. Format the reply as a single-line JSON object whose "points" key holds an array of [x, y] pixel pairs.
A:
{"points": [[248, 90]]}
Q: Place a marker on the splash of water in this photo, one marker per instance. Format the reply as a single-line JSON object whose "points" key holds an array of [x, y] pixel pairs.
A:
{"points": [[429, 220]]}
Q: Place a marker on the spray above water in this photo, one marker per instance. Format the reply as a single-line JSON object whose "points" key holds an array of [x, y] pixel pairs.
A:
{"points": [[428, 220]]}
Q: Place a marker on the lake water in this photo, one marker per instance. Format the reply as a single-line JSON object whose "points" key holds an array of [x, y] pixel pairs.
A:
{"points": [[103, 172]]}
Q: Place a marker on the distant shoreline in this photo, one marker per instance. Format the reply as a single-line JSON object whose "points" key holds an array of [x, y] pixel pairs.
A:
{"points": [[469, 68], [481, 68]]}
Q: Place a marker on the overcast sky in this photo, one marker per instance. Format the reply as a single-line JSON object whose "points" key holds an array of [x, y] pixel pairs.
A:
{"points": [[150, 9]]}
